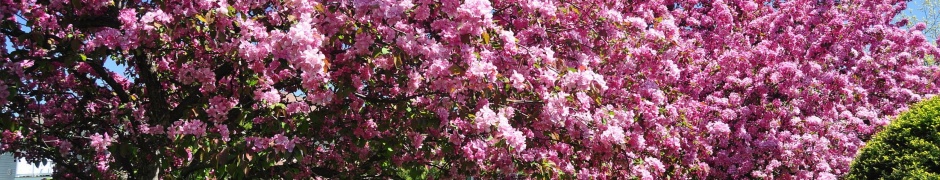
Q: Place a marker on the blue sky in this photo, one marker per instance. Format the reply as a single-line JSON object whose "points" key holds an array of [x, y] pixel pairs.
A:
{"points": [[915, 9]]}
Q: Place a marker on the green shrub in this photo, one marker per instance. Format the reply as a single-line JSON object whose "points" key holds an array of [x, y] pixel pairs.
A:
{"points": [[909, 148]]}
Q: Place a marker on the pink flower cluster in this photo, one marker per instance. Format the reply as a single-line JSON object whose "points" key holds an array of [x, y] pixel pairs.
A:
{"points": [[9, 137], [278, 142], [100, 144], [186, 127], [219, 108]]}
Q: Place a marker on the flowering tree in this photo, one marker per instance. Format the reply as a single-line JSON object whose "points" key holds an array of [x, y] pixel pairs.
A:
{"points": [[443, 89]]}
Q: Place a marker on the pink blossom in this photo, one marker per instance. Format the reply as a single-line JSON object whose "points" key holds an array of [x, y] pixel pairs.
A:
{"points": [[485, 118], [417, 140], [475, 150], [186, 127], [482, 70], [298, 108], [256, 144], [11, 136], [219, 108], [476, 8], [813, 121], [655, 164], [100, 142], [268, 97], [282, 143], [613, 135], [718, 127], [223, 131]]}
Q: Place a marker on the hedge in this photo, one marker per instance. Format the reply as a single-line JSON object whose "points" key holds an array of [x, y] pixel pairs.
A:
{"points": [[909, 148]]}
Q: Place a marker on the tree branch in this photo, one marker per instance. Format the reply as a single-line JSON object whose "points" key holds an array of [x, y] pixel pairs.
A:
{"points": [[125, 163], [324, 172], [523, 101], [394, 100], [154, 89], [180, 109], [96, 22], [187, 171], [117, 88], [108, 18]]}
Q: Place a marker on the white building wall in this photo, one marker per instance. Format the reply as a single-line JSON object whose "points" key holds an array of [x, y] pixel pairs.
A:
{"points": [[7, 167]]}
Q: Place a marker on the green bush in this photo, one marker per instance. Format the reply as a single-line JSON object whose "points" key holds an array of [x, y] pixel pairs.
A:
{"points": [[909, 148]]}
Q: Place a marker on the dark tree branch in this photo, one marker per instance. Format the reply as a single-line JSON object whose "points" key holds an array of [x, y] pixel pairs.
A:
{"points": [[117, 88], [393, 100], [523, 101], [96, 22], [319, 171], [191, 168], [108, 18], [125, 162], [324, 172], [184, 105], [12, 33], [154, 89], [187, 171]]}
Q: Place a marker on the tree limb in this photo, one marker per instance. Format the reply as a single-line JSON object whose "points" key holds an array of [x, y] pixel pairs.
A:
{"points": [[117, 88], [184, 105], [393, 100]]}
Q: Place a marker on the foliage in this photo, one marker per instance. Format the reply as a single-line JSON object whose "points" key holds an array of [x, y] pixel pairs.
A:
{"points": [[448, 89], [908, 147]]}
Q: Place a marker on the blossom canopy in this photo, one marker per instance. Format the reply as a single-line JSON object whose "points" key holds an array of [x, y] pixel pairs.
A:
{"points": [[587, 89]]}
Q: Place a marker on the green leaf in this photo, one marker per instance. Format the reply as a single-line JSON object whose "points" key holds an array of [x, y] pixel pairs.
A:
{"points": [[416, 173], [246, 124], [201, 18], [386, 50], [486, 37], [252, 81], [231, 10]]}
